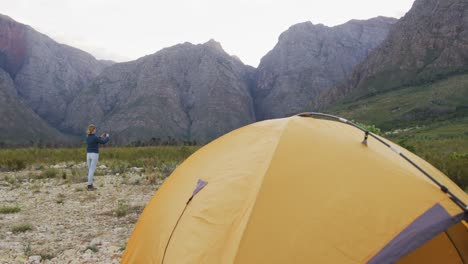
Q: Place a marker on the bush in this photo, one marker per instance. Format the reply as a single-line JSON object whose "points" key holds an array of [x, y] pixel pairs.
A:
{"points": [[93, 248], [168, 168], [21, 228], [404, 143], [119, 167], [152, 179], [60, 198], [370, 128], [27, 249], [77, 176], [9, 209], [122, 208], [13, 164], [48, 174]]}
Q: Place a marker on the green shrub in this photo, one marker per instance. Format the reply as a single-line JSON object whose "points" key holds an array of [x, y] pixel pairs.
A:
{"points": [[370, 128], [10, 180], [404, 143], [9, 209], [98, 172], [122, 208], [94, 249], [120, 166], [48, 174], [46, 256], [27, 249], [77, 176], [152, 179], [456, 156], [21, 228], [60, 198], [168, 168], [13, 164]]}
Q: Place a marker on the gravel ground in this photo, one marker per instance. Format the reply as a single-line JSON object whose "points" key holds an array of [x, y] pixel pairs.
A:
{"points": [[61, 222]]}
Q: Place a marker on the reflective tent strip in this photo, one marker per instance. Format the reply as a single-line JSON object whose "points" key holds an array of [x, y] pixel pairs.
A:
{"points": [[422, 230]]}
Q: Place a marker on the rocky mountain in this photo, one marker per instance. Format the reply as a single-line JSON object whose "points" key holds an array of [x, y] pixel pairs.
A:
{"points": [[430, 43], [46, 75], [187, 92], [19, 125], [309, 59]]}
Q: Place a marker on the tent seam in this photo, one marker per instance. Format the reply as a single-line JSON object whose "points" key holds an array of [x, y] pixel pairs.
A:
{"points": [[454, 246], [259, 188]]}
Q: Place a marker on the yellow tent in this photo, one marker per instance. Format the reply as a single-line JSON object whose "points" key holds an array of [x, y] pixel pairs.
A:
{"points": [[302, 190]]}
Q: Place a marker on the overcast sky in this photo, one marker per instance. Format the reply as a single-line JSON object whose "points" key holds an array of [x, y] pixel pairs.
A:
{"points": [[123, 30]]}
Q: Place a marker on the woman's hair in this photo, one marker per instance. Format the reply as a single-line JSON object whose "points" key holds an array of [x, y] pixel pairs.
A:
{"points": [[91, 129]]}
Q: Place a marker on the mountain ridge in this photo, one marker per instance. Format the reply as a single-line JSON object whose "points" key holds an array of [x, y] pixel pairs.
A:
{"points": [[160, 95]]}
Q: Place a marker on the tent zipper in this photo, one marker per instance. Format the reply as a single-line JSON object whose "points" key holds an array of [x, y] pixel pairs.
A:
{"points": [[200, 185], [172, 232]]}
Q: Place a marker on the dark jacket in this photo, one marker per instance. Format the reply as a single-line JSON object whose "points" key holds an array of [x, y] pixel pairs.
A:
{"points": [[93, 143]]}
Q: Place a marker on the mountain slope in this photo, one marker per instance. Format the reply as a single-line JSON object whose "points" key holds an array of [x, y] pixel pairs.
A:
{"points": [[19, 125], [187, 92], [308, 59], [411, 106], [415, 86], [46, 75], [428, 44]]}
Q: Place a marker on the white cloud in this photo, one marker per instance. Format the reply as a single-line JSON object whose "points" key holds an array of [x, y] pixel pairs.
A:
{"points": [[126, 30]]}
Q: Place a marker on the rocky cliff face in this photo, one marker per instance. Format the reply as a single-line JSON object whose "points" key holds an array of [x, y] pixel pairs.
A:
{"points": [[187, 92], [47, 75], [19, 125], [309, 59], [429, 43], [13, 50]]}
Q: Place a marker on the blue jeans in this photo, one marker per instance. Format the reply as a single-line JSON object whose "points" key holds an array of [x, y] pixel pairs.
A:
{"points": [[91, 160]]}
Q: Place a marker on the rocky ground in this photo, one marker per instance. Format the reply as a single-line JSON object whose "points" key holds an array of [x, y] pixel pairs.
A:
{"points": [[59, 221]]}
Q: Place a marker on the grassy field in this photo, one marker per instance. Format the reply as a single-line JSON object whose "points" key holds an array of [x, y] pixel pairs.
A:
{"points": [[117, 158], [442, 144]]}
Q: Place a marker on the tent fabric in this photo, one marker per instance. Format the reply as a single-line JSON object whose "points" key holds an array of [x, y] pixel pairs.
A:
{"points": [[438, 250], [458, 235], [291, 190]]}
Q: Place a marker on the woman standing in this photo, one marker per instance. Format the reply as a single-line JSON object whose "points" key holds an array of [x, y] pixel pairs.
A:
{"points": [[92, 150]]}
